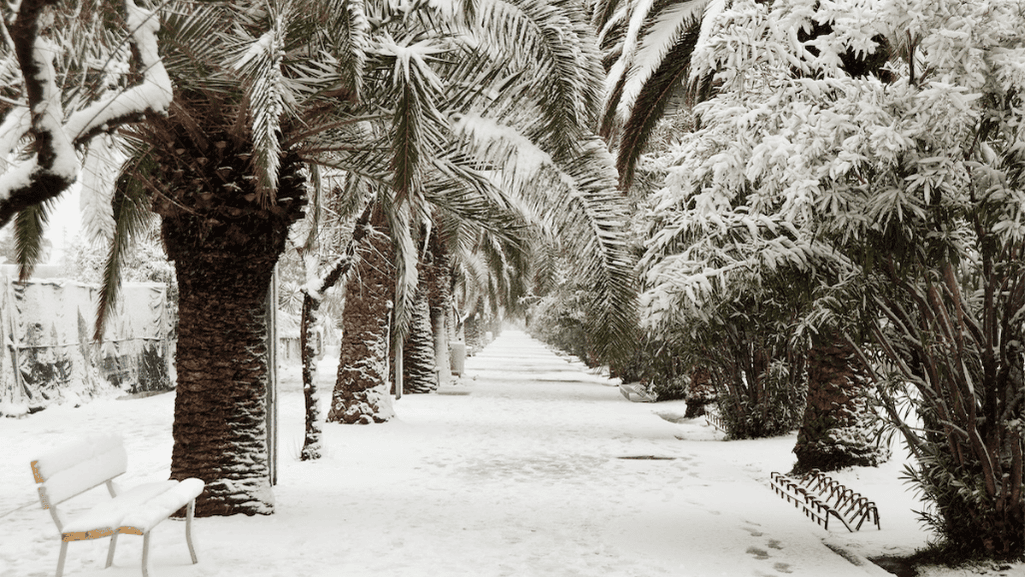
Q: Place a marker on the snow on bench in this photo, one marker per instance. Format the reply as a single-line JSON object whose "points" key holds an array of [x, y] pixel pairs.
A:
{"points": [[821, 496], [95, 460]]}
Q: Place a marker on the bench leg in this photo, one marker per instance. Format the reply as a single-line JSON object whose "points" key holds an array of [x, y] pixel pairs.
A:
{"points": [[60, 559], [145, 554], [110, 551], [189, 511]]}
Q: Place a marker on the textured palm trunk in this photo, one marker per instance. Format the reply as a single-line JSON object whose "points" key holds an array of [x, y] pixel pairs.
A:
{"points": [[224, 245], [220, 414], [361, 390], [419, 374], [426, 359], [837, 430], [307, 325], [439, 297]]}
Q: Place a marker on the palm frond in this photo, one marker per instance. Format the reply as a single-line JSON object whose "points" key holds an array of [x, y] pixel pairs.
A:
{"points": [[328, 42], [594, 233], [400, 224], [670, 23], [100, 167], [270, 96], [553, 43], [604, 11], [653, 96], [417, 125], [131, 212], [29, 234], [470, 197], [194, 47]]}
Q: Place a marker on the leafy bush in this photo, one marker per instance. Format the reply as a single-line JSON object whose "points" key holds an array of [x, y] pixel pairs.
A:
{"points": [[559, 320]]}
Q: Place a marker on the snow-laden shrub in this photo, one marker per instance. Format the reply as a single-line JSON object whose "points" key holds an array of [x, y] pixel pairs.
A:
{"points": [[765, 402], [559, 320], [912, 182]]}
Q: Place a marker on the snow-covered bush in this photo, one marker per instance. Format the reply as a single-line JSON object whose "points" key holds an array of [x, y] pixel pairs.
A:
{"points": [[559, 321], [912, 182]]}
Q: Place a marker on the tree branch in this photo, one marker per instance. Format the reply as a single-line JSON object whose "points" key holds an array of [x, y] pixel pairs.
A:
{"points": [[54, 166]]}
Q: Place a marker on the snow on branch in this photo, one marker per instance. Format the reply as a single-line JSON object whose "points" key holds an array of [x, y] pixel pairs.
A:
{"points": [[54, 164]]}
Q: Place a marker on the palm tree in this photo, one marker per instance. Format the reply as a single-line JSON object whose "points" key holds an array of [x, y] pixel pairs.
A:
{"points": [[363, 365], [261, 91], [454, 117]]}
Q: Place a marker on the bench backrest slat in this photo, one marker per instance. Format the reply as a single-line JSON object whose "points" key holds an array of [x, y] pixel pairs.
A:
{"points": [[78, 467]]}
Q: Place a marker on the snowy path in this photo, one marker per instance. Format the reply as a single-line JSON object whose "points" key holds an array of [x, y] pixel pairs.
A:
{"points": [[524, 476]]}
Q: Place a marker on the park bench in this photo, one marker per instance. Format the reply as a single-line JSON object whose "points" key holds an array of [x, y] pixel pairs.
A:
{"points": [[94, 460], [820, 497]]}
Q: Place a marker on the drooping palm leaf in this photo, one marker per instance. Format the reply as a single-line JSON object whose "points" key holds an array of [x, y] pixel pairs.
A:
{"points": [[417, 125], [553, 43], [651, 69], [131, 212], [269, 95], [29, 234], [596, 232], [653, 98]]}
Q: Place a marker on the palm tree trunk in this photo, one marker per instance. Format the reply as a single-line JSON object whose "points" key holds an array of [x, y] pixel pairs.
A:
{"points": [[307, 328], [836, 431], [220, 413], [419, 374], [308, 321], [361, 389], [439, 297], [224, 247]]}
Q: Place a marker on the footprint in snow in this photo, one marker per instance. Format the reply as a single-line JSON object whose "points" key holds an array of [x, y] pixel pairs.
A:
{"points": [[760, 554]]}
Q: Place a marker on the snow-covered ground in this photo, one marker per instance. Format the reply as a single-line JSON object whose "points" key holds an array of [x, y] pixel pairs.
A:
{"points": [[524, 476]]}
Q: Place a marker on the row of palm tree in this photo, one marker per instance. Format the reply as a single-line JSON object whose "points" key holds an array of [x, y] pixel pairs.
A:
{"points": [[464, 128]]}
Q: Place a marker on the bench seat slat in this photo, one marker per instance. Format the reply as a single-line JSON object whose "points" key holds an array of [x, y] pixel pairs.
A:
{"points": [[141, 519], [110, 514]]}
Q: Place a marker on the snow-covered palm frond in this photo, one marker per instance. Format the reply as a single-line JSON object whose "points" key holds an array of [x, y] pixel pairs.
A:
{"points": [[100, 168], [577, 201], [29, 234], [596, 232], [331, 36], [652, 69], [552, 44], [270, 96], [401, 223], [467, 195]]}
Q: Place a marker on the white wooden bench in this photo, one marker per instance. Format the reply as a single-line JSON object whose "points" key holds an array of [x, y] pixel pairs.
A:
{"points": [[95, 460]]}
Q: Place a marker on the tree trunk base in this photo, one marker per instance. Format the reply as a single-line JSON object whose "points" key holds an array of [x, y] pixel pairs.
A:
{"points": [[230, 497]]}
